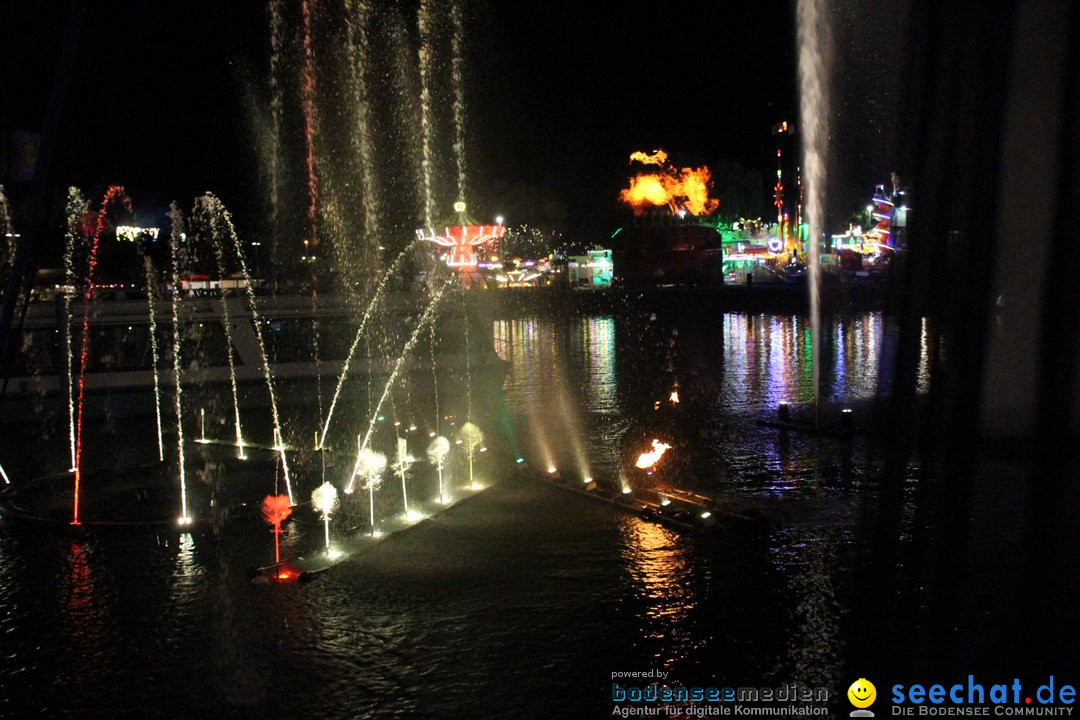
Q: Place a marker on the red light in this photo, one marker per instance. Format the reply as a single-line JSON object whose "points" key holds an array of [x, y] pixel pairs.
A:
{"points": [[115, 194]]}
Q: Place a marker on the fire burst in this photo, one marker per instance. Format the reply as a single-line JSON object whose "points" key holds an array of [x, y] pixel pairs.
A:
{"points": [[647, 460], [680, 189], [659, 157]]}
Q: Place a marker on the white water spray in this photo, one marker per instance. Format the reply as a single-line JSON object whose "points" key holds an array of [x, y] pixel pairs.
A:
{"points": [[77, 208], [276, 22], [151, 292], [425, 320], [427, 128], [369, 466], [375, 299], [814, 109], [437, 452], [471, 437], [175, 234], [206, 207], [230, 231], [457, 62], [401, 467], [358, 20], [325, 500]]}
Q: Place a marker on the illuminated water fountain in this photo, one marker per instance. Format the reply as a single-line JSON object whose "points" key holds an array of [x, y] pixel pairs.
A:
{"points": [[437, 452], [325, 499], [113, 197], [471, 436], [369, 467], [211, 217], [814, 109], [207, 237], [402, 462]]}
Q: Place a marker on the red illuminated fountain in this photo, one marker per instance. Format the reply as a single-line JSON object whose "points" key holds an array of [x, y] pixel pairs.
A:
{"points": [[461, 236], [113, 197], [275, 510]]}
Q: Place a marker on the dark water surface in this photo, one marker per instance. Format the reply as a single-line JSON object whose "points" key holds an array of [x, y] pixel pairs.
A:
{"points": [[524, 600]]}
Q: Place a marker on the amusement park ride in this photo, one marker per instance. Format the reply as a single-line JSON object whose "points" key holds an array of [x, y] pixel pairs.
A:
{"points": [[462, 238]]}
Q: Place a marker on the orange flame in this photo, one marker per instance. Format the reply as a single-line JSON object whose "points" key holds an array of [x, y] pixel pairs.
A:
{"points": [[685, 189], [659, 157], [649, 459]]}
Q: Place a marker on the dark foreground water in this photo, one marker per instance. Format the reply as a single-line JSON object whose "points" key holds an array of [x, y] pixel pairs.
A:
{"points": [[523, 601]]}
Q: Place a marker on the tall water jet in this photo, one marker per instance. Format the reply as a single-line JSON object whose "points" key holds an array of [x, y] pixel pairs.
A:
{"points": [[276, 48], [468, 351], [369, 466], [457, 62], [325, 500], [427, 127], [425, 321], [7, 236], [217, 208], [357, 32], [76, 210], [176, 234], [814, 46], [401, 466], [113, 196], [376, 297], [437, 452], [206, 209], [151, 293], [471, 437], [307, 99]]}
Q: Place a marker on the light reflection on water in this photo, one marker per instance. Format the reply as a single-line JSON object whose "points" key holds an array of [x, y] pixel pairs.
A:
{"points": [[659, 569], [523, 595], [729, 372]]}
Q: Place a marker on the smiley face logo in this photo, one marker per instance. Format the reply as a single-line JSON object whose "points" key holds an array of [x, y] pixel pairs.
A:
{"points": [[862, 693]]}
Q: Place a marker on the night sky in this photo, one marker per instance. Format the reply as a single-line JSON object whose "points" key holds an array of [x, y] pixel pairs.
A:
{"points": [[165, 98]]}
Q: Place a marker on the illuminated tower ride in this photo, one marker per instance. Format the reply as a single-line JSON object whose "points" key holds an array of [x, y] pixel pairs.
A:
{"points": [[461, 238], [786, 238]]}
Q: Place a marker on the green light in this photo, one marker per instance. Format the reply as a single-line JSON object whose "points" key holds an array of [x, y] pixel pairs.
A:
{"points": [[381, 418], [519, 460], [617, 231]]}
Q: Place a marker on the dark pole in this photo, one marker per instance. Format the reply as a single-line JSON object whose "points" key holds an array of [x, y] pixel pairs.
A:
{"points": [[22, 269]]}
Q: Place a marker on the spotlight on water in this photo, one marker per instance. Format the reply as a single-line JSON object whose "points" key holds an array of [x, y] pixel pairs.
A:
{"points": [[413, 517]]}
